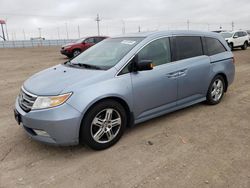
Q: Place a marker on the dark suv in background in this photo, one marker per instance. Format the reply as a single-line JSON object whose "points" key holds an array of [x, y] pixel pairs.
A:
{"points": [[74, 49]]}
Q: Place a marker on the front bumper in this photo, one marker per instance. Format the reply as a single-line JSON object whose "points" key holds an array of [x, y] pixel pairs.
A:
{"points": [[65, 52], [62, 124]]}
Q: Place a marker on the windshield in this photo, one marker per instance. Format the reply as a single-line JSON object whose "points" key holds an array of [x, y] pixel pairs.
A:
{"points": [[227, 35], [107, 53], [80, 40]]}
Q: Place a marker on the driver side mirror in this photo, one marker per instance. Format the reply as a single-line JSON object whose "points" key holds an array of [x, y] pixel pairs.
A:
{"points": [[235, 37], [141, 65]]}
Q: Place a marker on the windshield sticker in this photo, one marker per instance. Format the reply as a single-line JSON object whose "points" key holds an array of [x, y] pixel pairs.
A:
{"points": [[129, 42]]}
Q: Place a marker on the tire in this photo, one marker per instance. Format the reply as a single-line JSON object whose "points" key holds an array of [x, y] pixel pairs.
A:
{"points": [[97, 130], [231, 46], [244, 47], [76, 52], [216, 90]]}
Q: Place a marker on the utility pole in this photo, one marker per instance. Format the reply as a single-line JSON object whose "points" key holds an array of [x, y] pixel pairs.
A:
{"points": [[58, 33], [98, 26], [232, 25], [78, 28], [67, 32], [24, 36], [123, 27], [188, 24], [40, 32]]}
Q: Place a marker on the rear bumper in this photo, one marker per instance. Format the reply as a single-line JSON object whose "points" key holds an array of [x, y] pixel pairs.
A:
{"points": [[61, 123]]}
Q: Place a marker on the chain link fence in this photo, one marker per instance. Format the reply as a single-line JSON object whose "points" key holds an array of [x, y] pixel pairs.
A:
{"points": [[34, 43]]}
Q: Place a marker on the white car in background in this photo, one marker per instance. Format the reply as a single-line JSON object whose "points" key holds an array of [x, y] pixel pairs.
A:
{"points": [[236, 39], [248, 32]]}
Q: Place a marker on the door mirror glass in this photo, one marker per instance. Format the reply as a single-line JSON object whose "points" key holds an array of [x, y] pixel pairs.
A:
{"points": [[144, 65]]}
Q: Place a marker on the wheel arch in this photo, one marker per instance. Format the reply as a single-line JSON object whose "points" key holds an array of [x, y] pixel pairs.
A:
{"points": [[225, 79], [120, 100]]}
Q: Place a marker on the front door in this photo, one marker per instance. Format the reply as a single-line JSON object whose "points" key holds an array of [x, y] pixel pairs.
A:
{"points": [[155, 90]]}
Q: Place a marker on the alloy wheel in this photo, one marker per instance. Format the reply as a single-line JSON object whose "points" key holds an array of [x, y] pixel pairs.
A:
{"points": [[217, 90], [106, 125]]}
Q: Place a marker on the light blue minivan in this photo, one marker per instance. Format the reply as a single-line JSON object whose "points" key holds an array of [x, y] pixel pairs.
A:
{"points": [[123, 81]]}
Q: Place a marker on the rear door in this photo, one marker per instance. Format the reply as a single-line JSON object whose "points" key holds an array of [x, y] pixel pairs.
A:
{"points": [[193, 67]]}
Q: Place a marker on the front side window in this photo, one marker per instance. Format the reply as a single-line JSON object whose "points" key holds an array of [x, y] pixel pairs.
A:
{"points": [[236, 34], [158, 51], [90, 40], [188, 47], [108, 53], [214, 46], [226, 35]]}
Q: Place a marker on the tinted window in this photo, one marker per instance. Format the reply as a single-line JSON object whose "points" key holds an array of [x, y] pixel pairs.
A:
{"points": [[158, 51], [244, 34], [214, 46], [90, 40], [98, 39], [236, 34], [187, 47]]}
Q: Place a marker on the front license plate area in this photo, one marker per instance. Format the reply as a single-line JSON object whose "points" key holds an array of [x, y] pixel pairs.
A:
{"points": [[17, 117]]}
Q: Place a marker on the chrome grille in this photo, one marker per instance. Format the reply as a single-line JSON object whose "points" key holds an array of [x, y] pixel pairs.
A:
{"points": [[26, 100]]}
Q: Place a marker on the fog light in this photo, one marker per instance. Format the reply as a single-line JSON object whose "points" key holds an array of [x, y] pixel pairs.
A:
{"points": [[41, 132]]}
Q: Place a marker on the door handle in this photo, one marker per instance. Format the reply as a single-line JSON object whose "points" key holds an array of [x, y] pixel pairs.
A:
{"points": [[182, 72], [173, 75]]}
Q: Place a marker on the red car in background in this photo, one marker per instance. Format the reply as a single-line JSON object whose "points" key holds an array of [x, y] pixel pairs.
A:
{"points": [[74, 49]]}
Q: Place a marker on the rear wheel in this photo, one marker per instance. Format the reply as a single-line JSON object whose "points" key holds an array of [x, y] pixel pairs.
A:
{"points": [[103, 125], [216, 90], [244, 47]]}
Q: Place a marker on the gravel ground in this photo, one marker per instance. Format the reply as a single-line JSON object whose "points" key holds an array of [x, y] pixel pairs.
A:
{"points": [[200, 146]]}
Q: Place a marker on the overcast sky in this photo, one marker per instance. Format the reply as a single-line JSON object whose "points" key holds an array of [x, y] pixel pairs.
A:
{"points": [[24, 17]]}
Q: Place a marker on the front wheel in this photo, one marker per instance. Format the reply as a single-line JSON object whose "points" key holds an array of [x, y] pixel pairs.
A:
{"points": [[244, 47], [231, 46], [103, 125], [216, 90], [76, 53]]}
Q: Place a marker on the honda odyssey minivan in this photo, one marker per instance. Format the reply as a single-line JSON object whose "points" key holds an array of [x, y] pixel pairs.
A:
{"points": [[123, 81]]}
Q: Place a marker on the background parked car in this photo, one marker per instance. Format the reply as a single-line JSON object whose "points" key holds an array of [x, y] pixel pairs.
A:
{"points": [[248, 32], [74, 49], [236, 39]]}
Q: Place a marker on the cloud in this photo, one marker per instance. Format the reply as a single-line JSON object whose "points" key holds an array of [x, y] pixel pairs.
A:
{"points": [[54, 16]]}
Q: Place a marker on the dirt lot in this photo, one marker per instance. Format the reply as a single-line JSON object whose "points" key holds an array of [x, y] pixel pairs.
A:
{"points": [[200, 146]]}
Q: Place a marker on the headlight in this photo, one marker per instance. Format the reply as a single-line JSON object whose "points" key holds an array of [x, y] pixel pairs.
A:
{"points": [[66, 47], [50, 101]]}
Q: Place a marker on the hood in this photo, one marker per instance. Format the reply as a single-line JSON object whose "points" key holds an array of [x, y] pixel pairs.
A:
{"points": [[69, 44], [54, 80]]}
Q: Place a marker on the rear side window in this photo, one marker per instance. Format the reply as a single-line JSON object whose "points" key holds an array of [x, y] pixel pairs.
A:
{"points": [[188, 47], [98, 39], [214, 46], [90, 40]]}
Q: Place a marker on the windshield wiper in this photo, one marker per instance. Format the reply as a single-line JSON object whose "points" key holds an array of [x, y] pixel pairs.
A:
{"points": [[88, 66]]}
